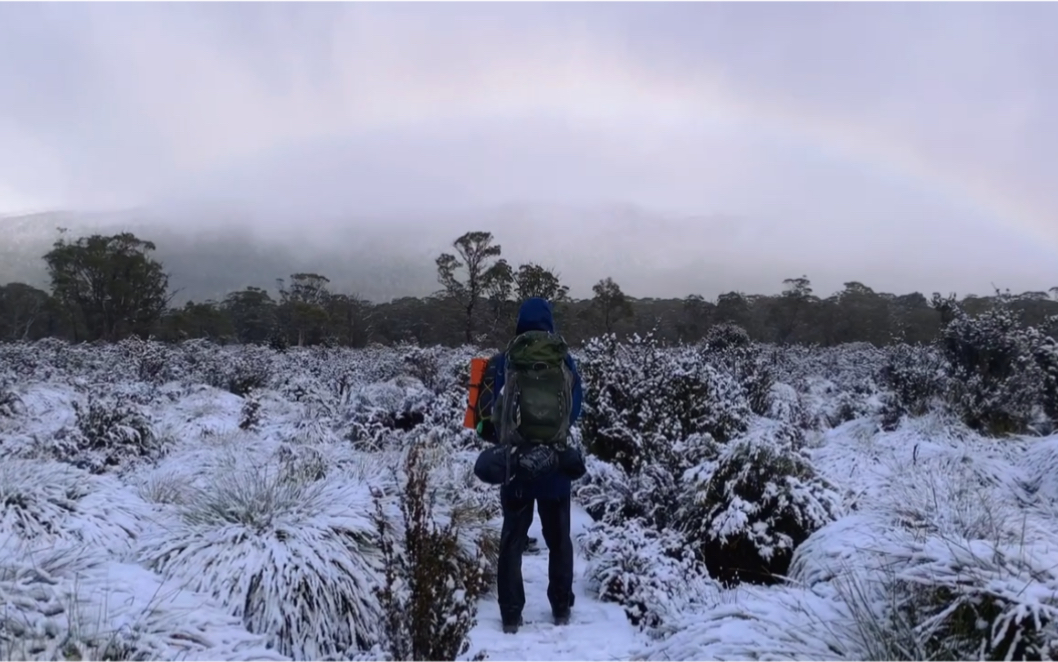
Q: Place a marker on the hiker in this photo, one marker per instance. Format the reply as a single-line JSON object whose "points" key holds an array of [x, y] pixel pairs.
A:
{"points": [[532, 460]]}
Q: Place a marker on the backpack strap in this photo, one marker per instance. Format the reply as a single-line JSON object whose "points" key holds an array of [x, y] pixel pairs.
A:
{"points": [[485, 407]]}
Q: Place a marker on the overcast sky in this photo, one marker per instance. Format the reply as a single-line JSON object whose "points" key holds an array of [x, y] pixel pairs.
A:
{"points": [[908, 145]]}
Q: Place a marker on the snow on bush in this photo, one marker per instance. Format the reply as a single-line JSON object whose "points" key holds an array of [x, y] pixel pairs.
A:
{"points": [[426, 365], [640, 398], [655, 414], [239, 370], [974, 598], [109, 432], [380, 414], [915, 379], [611, 495], [1040, 479], [949, 554], [152, 360], [11, 404], [471, 506], [651, 573], [761, 501], [998, 385], [750, 364], [832, 385], [932, 473]]}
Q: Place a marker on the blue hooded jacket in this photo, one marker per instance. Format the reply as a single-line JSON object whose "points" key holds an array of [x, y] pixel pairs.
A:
{"points": [[536, 315]]}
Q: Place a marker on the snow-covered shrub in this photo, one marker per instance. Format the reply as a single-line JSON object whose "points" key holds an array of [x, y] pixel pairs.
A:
{"points": [[430, 593], [651, 573], [109, 431], [640, 400], [427, 365], [833, 385], [653, 494], [11, 404], [618, 379], [296, 559], [948, 553], [239, 370], [915, 378], [756, 623], [1038, 472], [785, 405], [824, 403], [250, 416], [380, 415], [460, 498], [762, 500], [310, 392], [607, 492], [301, 463], [702, 399], [997, 385], [751, 366], [905, 595], [1045, 353], [655, 414], [725, 336], [152, 360], [849, 406]]}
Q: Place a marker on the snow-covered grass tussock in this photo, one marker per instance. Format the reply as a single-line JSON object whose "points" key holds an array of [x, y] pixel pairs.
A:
{"points": [[229, 479], [292, 554], [49, 503], [750, 501], [74, 604]]}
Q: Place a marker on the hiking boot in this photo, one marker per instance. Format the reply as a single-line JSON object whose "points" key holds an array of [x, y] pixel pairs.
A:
{"points": [[511, 627], [561, 615], [531, 547]]}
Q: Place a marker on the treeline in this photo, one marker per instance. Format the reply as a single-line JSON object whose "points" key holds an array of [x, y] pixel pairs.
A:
{"points": [[111, 287]]}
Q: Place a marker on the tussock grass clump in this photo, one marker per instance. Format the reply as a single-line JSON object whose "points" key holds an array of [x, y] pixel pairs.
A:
{"points": [[297, 559]]}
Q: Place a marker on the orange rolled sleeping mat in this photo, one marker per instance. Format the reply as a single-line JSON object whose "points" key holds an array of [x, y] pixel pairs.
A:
{"points": [[477, 376]]}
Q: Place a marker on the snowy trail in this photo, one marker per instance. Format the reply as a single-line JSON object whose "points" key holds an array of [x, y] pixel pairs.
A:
{"points": [[597, 630]]}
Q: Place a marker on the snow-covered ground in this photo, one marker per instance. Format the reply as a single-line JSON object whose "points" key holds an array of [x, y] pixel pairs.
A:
{"points": [[597, 630], [195, 502]]}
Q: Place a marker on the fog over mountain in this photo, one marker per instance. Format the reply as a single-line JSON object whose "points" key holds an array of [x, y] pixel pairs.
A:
{"points": [[677, 148], [385, 257]]}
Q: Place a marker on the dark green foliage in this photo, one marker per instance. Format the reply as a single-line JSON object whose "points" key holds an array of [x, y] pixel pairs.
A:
{"points": [[109, 286]]}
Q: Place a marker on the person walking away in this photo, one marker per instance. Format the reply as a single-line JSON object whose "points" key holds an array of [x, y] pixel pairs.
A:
{"points": [[531, 397]]}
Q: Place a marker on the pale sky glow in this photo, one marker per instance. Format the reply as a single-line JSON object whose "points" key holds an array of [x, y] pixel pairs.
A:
{"points": [[860, 141]]}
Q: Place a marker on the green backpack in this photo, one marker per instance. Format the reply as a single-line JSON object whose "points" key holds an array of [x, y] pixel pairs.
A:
{"points": [[537, 396]]}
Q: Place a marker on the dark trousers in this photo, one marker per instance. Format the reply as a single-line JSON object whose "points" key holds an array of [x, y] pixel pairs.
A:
{"points": [[554, 520]]}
